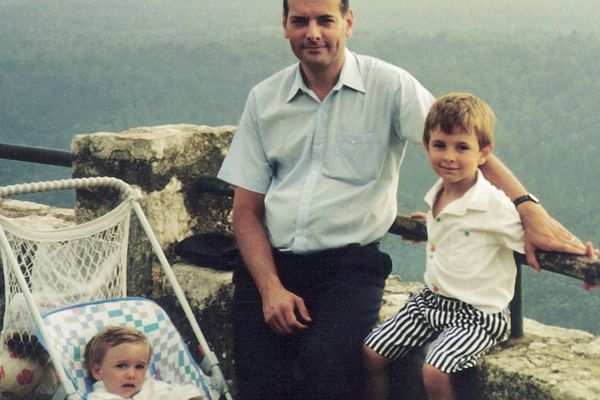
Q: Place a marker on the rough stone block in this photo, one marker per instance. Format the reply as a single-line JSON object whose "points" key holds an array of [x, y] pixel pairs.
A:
{"points": [[166, 163]]}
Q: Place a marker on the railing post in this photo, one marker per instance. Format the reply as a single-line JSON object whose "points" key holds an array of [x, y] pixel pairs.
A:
{"points": [[516, 305]]}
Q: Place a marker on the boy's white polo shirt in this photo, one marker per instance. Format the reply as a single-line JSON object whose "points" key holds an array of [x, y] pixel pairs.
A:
{"points": [[470, 247]]}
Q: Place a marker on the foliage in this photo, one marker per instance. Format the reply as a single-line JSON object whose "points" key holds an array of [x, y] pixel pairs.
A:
{"points": [[77, 66]]}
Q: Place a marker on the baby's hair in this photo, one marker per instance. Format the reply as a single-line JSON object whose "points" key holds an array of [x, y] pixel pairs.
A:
{"points": [[464, 111], [109, 337]]}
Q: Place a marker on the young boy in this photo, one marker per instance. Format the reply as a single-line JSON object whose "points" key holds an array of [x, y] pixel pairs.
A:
{"points": [[118, 359], [473, 229]]}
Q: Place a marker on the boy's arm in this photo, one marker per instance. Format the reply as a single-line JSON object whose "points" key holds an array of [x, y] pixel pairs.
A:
{"points": [[541, 230]]}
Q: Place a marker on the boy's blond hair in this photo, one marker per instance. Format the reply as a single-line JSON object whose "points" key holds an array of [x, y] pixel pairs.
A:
{"points": [[464, 111], [111, 336]]}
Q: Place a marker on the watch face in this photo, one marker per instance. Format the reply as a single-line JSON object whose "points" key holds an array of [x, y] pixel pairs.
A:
{"points": [[533, 198]]}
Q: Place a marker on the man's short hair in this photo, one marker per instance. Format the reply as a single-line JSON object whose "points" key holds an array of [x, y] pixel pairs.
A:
{"points": [[96, 348], [344, 7], [464, 111]]}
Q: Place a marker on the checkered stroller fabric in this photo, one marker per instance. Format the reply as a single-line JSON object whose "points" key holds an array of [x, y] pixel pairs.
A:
{"points": [[70, 328]]}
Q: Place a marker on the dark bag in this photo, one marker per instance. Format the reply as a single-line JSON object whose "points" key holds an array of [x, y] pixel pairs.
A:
{"points": [[213, 250]]}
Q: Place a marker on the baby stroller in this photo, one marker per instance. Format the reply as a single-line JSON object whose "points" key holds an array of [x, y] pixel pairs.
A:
{"points": [[62, 285]]}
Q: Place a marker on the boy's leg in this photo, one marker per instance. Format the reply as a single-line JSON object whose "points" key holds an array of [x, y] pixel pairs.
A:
{"points": [[468, 334], [377, 383], [459, 346], [393, 339], [438, 384]]}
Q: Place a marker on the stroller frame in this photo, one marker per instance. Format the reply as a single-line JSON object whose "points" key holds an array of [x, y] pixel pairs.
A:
{"points": [[209, 363]]}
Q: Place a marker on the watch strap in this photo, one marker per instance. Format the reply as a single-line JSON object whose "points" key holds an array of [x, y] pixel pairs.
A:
{"points": [[524, 198]]}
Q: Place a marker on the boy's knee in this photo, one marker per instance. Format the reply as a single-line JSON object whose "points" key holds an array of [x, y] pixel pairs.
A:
{"points": [[373, 361], [437, 382]]}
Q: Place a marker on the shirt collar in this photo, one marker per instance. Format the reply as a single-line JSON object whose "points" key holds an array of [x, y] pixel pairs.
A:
{"points": [[101, 393], [349, 76], [476, 198]]}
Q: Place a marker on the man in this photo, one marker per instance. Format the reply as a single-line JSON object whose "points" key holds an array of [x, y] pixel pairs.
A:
{"points": [[315, 163]]}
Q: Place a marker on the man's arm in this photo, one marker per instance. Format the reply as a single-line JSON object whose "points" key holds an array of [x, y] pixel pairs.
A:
{"points": [[279, 304], [541, 230]]}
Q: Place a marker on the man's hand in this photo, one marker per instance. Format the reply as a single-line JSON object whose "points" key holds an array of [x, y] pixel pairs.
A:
{"points": [[592, 253], [545, 233], [285, 312]]}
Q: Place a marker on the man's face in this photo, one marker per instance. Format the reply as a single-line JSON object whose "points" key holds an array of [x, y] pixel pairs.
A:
{"points": [[317, 32]]}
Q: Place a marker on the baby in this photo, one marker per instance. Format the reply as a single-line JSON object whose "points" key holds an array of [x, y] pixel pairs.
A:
{"points": [[118, 359]]}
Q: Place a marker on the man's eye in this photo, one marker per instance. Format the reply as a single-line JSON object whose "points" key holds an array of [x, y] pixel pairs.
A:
{"points": [[298, 22]]}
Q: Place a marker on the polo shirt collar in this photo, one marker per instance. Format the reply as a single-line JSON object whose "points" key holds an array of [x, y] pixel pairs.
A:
{"points": [[349, 76], [476, 198]]}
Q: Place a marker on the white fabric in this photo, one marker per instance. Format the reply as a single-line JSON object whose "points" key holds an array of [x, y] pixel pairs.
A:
{"points": [[329, 169], [470, 247], [152, 390]]}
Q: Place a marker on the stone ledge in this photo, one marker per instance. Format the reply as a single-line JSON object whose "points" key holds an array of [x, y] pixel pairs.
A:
{"points": [[549, 363]]}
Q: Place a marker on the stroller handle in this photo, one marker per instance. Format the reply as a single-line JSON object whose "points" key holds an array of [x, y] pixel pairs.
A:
{"points": [[76, 183]]}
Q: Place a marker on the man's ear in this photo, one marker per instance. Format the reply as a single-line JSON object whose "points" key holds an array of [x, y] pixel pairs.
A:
{"points": [[284, 25], [484, 153], [349, 18]]}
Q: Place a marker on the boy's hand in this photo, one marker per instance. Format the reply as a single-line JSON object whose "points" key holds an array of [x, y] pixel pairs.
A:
{"points": [[418, 215]]}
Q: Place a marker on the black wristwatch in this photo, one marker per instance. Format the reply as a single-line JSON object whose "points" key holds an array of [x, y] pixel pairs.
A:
{"points": [[524, 198]]}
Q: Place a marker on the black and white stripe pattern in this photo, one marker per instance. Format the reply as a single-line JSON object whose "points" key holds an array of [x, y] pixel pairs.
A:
{"points": [[458, 332]]}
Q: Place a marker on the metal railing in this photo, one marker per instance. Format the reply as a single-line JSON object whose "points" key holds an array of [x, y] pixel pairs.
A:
{"points": [[39, 155], [570, 265], [581, 268]]}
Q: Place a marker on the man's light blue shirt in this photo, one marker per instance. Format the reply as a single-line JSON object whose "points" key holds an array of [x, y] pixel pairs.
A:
{"points": [[328, 169]]}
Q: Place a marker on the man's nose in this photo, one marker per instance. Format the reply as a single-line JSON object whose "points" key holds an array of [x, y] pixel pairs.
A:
{"points": [[314, 32]]}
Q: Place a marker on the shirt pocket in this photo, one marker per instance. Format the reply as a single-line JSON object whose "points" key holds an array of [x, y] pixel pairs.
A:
{"points": [[468, 251], [353, 157]]}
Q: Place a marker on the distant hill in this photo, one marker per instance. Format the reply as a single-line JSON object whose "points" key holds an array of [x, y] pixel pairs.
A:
{"points": [[77, 66]]}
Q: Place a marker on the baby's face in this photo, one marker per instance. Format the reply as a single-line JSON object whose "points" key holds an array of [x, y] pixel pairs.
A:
{"points": [[123, 369]]}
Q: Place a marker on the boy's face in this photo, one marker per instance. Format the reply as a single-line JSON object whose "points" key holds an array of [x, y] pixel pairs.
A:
{"points": [[123, 369], [317, 32], [455, 157]]}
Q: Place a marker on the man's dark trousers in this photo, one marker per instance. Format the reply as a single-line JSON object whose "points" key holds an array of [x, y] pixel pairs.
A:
{"points": [[342, 289]]}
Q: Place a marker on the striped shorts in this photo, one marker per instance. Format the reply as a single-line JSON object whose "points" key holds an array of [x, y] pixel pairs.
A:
{"points": [[459, 333]]}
